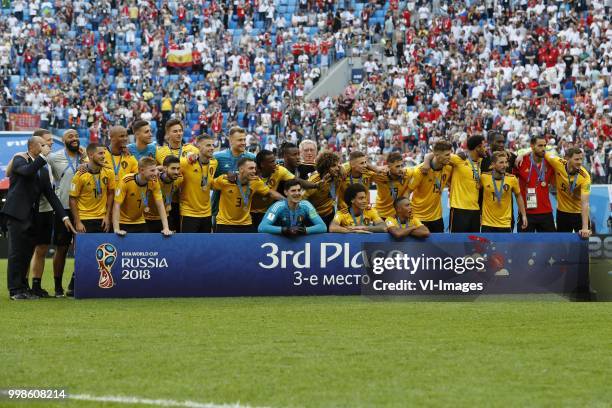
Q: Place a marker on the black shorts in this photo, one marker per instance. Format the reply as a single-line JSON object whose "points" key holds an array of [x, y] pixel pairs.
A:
{"points": [[434, 226], [538, 223], [93, 226], [174, 218], [327, 219], [62, 236], [464, 220], [196, 225], [154, 226], [134, 228], [568, 222], [257, 218], [235, 229], [486, 228], [43, 228]]}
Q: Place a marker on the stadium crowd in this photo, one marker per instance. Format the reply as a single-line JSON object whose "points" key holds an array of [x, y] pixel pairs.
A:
{"points": [[492, 100], [432, 69]]}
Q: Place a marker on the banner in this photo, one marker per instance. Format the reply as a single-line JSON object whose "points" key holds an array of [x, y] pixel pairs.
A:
{"points": [[11, 143], [149, 265], [24, 121], [180, 58]]}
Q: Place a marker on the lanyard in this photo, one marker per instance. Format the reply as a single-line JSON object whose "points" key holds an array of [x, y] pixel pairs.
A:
{"points": [[395, 191], [360, 179], [500, 191], [354, 219], [70, 166], [203, 180], [245, 196], [98, 184], [168, 198], [571, 183], [541, 173], [115, 166], [332, 193], [406, 224], [437, 181], [293, 215], [475, 171], [145, 196]]}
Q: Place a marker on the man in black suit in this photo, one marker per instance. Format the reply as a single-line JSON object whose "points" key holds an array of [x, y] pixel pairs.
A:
{"points": [[29, 179]]}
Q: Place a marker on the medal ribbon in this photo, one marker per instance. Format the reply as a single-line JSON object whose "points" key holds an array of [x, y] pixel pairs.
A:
{"points": [[355, 219], [115, 166], [541, 173], [500, 191], [400, 223], [70, 166], [245, 197], [475, 171], [293, 216], [571, 183]]}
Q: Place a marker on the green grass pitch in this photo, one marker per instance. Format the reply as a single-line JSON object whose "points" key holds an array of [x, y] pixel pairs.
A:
{"points": [[310, 351]]}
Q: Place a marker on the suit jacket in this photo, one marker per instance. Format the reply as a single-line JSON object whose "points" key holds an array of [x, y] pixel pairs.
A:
{"points": [[29, 179]]}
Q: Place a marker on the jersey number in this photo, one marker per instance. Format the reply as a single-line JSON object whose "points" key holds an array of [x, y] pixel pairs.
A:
{"points": [[239, 202], [139, 202]]}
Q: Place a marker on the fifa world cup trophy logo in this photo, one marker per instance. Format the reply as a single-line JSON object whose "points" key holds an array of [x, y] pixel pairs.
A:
{"points": [[106, 254]]}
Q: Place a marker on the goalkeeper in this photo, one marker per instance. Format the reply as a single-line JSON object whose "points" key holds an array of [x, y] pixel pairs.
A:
{"points": [[294, 216]]}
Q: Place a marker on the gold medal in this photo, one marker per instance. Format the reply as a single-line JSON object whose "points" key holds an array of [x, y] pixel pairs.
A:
{"points": [[543, 184], [147, 209], [168, 208]]}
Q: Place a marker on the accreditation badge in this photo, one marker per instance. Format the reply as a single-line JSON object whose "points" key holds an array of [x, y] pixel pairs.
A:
{"points": [[532, 199]]}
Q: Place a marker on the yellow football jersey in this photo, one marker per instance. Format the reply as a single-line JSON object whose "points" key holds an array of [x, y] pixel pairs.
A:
{"points": [[195, 191], [183, 151], [90, 191], [498, 213], [427, 192], [395, 222], [262, 203], [235, 203], [345, 219], [569, 188], [387, 190], [121, 165], [134, 199], [323, 199], [365, 179], [464, 183], [168, 191]]}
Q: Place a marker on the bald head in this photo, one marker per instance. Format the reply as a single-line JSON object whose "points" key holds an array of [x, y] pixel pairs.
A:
{"points": [[118, 138], [36, 145], [71, 140]]}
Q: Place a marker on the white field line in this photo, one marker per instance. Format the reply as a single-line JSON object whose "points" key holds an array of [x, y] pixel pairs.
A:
{"points": [[154, 402], [120, 399]]}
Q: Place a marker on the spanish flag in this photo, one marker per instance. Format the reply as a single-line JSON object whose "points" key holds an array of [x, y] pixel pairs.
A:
{"points": [[180, 58]]}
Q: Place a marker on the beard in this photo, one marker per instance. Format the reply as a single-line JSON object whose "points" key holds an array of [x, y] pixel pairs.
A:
{"points": [[74, 148]]}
